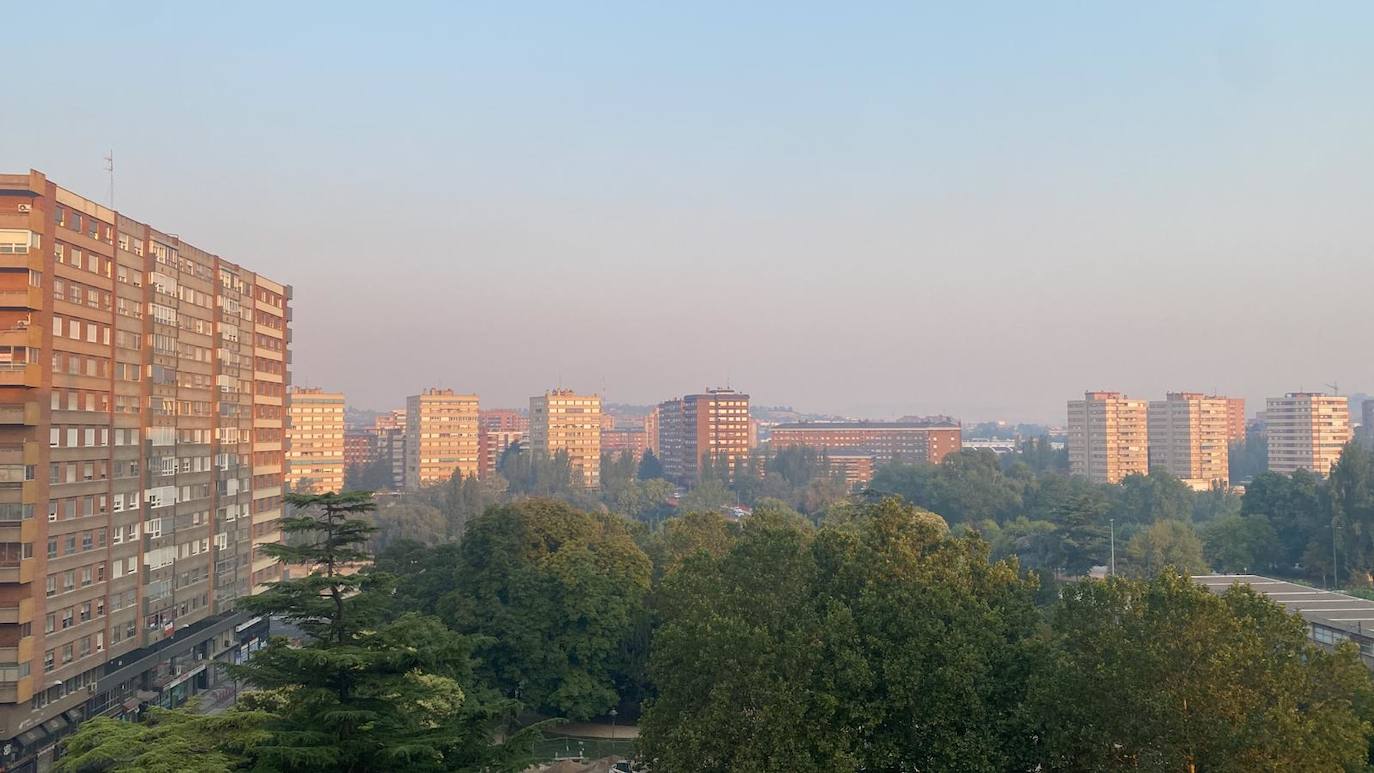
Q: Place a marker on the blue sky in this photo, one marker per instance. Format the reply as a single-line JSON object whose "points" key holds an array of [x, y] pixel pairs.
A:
{"points": [[978, 209]]}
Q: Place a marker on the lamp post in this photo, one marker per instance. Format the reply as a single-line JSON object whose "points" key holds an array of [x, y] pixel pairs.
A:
{"points": [[1112, 523], [1335, 581], [614, 713]]}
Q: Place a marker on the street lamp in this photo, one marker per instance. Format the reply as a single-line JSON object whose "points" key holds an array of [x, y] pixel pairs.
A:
{"points": [[1112, 523], [614, 713]]}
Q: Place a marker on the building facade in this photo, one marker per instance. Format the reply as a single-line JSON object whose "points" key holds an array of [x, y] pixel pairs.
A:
{"points": [[715, 431], [492, 445], [315, 441], [622, 439], [562, 420], [142, 409], [710, 428], [1189, 438], [912, 442], [360, 448], [1235, 418], [1108, 437], [390, 429], [857, 469], [1306, 430], [441, 437]]}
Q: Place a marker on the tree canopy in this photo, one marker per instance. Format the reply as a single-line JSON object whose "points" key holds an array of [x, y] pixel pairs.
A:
{"points": [[553, 594]]}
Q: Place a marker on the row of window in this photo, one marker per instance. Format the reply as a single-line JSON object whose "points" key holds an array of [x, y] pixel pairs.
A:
{"points": [[83, 647], [86, 261], [79, 294], [83, 577], [93, 228]]}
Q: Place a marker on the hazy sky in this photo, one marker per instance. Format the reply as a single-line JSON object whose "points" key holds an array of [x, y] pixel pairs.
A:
{"points": [[974, 209]]}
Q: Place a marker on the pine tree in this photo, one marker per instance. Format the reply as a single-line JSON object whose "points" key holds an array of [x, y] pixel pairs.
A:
{"points": [[361, 694]]}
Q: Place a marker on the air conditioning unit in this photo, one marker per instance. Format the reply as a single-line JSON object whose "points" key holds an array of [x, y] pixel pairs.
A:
{"points": [[25, 208]]}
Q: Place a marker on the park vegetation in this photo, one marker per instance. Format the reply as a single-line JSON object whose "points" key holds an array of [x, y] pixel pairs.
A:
{"points": [[938, 619]]}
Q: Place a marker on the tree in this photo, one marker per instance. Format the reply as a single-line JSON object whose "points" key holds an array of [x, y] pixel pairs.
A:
{"points": [[967, 485], [1164, 544], [1144, 499], [554, 594], [407, 520], [879, 642], [1081, 535], [650, 467], [690, 534], [166, 741], [363, 693], [1294, 506], [1351, 490], [710, 495], [375, 475], [1164, 675], [1236, 543], [1249, 458]]}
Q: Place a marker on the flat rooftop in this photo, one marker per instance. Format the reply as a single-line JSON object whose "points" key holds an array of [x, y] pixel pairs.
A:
{"points": [[1329, 608]]}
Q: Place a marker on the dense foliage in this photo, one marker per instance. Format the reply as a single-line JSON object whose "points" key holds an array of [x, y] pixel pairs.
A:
{"points": [[553, 595], [937, 621], [879, 644], [1168, 676]]}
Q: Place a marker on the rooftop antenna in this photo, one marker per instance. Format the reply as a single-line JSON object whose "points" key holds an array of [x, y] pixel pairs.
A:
{"points": [[1335, 388], [109, 167]]}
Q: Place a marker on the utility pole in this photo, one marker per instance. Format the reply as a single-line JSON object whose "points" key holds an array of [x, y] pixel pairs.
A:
{"points": [[1335, 581], [109, 167], [1112, 522]]}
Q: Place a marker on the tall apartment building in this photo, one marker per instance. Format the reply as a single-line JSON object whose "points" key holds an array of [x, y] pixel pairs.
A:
{"points": [[619, 440], [1235, 418], [651, 437], [441, 436], [142, 387], [707, 428], [498, 430], [716, 431], [1108, 437], [315, 440], [503, 420], [1188, 437], [360, 447], [1307, 430], [670, 436], [562, 420], [390, 429], [912, 442]]}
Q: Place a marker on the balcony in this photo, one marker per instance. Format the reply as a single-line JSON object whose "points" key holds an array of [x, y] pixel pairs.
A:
{"points": [[26, 298], [10, 572], [16, 414], [22, 336], [27, 374], [20, 611]]}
